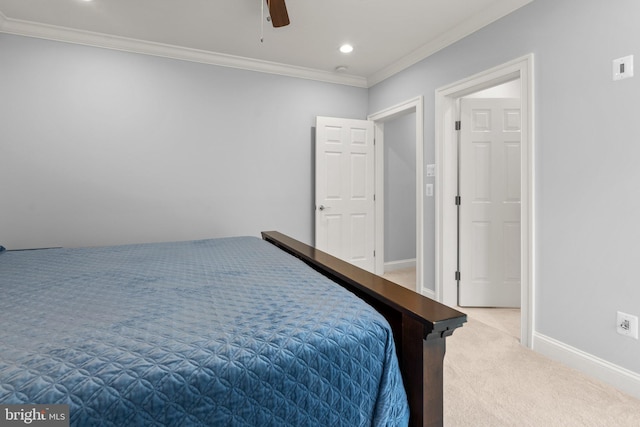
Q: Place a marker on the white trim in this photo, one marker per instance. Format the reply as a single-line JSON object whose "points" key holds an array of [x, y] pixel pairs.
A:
{"points": [[428, 293], [475, 23], [617, 376], [88, 38], [411, 105], [446, 177], [378, 131], [399, 265]]}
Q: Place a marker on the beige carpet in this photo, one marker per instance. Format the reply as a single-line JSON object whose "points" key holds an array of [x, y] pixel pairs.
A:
{"points": [[491, 380]]}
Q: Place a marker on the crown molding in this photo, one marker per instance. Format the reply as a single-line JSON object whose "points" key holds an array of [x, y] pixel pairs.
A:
{"points": [[88, 38], [451, 36]]}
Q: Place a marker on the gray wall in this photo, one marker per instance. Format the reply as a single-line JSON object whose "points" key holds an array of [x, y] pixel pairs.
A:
{"points": [[586, 159], [400, 188], [104, 147]]}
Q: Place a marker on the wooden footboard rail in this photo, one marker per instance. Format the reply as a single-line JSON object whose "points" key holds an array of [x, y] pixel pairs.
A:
{"points": [[420, 325]]}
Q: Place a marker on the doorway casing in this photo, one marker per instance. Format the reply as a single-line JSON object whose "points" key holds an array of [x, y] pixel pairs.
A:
{"points": [[414, 105], [446, 100]]}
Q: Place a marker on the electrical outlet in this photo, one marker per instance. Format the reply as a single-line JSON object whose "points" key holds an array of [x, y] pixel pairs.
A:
{"points": [[627, 325]]}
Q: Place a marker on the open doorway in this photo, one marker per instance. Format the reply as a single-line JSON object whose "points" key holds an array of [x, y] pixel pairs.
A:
{"points": [[399, 140], [349, 158], [447, 101]]}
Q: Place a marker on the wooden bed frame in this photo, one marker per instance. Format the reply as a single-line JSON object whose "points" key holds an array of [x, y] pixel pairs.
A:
{"points": [[420, 325]]}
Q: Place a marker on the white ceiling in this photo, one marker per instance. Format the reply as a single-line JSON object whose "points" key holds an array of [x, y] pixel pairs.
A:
{"points": [[388, 35]]}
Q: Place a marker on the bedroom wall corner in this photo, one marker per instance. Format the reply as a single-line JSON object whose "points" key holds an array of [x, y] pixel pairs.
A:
{"points": [[103, 147], [586, 233]]}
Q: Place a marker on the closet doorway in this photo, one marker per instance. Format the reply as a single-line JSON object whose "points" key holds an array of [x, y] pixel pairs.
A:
{"points": [[447, 100]]}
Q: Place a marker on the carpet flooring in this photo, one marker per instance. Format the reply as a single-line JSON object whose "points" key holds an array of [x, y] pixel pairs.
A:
{"points": [[490, 380]]}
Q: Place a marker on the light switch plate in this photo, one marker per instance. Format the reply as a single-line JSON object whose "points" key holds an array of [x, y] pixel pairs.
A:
{"points": [[623, 68], [431, 170], [428, 190]]}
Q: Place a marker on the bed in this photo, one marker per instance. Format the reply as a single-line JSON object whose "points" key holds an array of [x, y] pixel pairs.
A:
{"points": [[235, 331]]}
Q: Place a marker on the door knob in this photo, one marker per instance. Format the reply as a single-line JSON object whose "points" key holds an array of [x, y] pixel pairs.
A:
{"points": [[322, 207]]}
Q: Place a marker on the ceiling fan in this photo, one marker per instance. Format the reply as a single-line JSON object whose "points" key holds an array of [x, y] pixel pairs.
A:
{"points": [[278, 13]]}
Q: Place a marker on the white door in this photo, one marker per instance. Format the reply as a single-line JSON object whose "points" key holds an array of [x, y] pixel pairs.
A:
{"points": [[345, 221], [489, 214]]}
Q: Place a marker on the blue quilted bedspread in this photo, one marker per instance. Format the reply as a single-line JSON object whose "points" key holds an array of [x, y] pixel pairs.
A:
{"points": [[222, 332]]}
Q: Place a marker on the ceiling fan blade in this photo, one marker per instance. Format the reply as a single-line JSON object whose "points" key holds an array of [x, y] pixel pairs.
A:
{"points": [[278, 12]]}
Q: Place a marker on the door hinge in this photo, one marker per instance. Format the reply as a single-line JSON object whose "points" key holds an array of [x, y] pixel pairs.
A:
{"points": [[374, 253], [458, 125], [458, 200], [458, 276]]}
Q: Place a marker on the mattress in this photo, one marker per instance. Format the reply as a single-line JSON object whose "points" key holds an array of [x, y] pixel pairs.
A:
{"points": [[224, 332]]}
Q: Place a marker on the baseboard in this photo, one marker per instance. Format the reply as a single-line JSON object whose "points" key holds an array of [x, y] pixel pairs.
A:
{"points": [[617, 376], [429, 293], [399, 265]]}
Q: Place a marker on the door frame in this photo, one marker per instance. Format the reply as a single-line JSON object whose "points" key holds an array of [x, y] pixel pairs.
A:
{"points": [[446, 103], [378, 118]]}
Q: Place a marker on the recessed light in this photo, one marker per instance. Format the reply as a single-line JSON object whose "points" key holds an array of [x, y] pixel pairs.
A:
{"points": [[346, 48]]}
